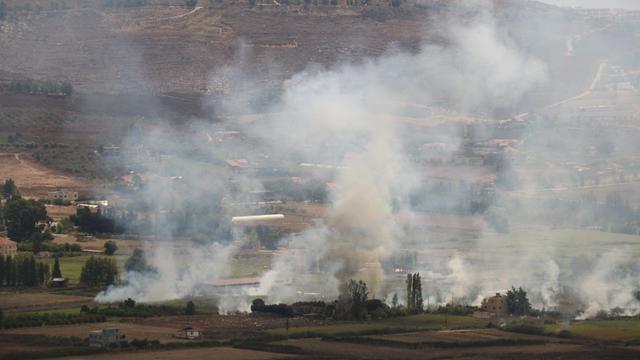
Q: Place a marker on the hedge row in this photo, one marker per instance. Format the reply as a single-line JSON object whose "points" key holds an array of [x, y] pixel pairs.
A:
{"points": [[31, 320]]}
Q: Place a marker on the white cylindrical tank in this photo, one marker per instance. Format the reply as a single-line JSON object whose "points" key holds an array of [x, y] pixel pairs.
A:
{"points": [[240, 220]]}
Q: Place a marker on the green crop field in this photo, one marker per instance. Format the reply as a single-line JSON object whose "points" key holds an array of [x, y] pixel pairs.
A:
{"points": [[399, 324], [71, 266]]}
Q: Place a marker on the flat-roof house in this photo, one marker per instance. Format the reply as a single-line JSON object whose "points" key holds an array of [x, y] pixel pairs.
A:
{"points": [[105, 338]]}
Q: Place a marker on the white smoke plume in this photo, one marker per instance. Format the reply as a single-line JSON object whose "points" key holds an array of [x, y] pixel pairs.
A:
{"points": [[351, 116]]}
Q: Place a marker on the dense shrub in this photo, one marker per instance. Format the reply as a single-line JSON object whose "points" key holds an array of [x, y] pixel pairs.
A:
{"points": [[138, 310], [99, 271], [279, 309]]}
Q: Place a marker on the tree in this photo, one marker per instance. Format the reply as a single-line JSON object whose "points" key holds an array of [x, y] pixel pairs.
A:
{"points": [[91, 222], [99, 272], [22, 270], [22, 216], [190, 309], [3, 10], [110, 247], [356, 294], [9, 189], [130, 303], [394, 300], [517, 302], [137, 262], [414, 293], [56, 269]]}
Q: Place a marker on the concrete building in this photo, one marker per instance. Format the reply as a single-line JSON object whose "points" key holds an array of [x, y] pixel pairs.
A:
{"points": [[8, 247], [63, 195], [495, 305], [107, 337]]}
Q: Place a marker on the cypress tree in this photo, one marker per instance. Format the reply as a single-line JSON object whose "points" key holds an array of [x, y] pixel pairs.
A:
{"points": [[56, 269], [45, 273], [33, 271], [410, 297], [8, 274], [418, 302], [2, 270]]}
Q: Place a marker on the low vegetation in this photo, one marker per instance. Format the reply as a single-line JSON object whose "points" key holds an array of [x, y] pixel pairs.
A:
{"points": [[48, 319], [36, 87], [99, 271]]}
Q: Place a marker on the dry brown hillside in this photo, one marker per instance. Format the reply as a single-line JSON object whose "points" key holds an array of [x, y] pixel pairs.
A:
{"points": [[159, 47]]}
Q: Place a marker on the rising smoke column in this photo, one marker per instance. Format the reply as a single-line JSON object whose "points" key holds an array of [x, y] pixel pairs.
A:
{"points": [[359, 104], [349, 109]]}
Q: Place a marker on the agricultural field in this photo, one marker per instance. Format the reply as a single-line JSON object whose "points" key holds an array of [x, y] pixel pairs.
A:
{"points": [[351, 350], [464, 336], [35, 179], [402, 324], [226, 353], [71, 266], [11, 345], [125, 246], [22, 301], [624, 329], [131, 330]]}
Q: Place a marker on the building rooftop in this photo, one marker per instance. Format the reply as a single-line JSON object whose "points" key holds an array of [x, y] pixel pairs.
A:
{"points": [[6, 241]]}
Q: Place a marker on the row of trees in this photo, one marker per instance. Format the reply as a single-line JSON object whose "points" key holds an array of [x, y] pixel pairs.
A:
{"points": [[48, 87], [123, 3], [3, 10], [94, 222], [23, 270], [24, 218], [414, 293]]}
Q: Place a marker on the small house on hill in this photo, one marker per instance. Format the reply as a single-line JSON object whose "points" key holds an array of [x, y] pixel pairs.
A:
{"points": [[106, 338], [495, 306], [190, 332], [62, 195], [8, 247]]}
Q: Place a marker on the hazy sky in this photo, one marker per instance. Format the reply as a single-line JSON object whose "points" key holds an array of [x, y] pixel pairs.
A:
{"points": [[626, 4]]}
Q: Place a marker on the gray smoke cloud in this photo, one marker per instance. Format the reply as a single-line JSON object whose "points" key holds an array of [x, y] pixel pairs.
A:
{"points": [[360, 119]]}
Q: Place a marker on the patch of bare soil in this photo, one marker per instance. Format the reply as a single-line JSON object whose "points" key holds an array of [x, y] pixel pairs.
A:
{"points": [[200, 353], [14, 301], [35, 179], [132, 331], [229, 326]]}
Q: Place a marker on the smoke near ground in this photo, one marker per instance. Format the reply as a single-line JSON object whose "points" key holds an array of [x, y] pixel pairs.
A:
{"points": [[348, 116]]}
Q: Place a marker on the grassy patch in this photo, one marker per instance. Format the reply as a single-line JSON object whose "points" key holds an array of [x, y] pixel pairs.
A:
{"points": [[71, 266]]}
